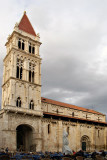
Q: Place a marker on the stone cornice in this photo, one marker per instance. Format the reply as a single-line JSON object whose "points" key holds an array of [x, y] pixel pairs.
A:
{"points": [[34, 84], [24, 111], [14, 32], [22, 52]]}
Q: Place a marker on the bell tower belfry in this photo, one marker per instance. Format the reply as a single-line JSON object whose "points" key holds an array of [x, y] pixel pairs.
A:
{"points": [[22, 68], [21, 111]]}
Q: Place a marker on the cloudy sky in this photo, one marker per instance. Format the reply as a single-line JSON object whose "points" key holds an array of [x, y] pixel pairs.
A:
{"points": [[74, 47]]}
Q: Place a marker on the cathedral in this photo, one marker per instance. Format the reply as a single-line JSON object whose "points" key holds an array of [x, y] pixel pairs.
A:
{"points": [[29, 122]]}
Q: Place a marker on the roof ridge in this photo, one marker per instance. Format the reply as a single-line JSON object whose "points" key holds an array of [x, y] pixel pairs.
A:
{"points": [[71, 105]]}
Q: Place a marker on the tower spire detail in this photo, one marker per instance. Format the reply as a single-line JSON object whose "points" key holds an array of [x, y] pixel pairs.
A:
{"points": [[25, 25]]}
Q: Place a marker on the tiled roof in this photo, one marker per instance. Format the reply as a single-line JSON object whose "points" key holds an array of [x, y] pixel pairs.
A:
{"points": [[26, 26], [76, 118], [50, 101]]}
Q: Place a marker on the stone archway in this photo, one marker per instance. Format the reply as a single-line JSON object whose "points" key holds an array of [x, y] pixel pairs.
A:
{"points": [[24, 137], [85, 143]]}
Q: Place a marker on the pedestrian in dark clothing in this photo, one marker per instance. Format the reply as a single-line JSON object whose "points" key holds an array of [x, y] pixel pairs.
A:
{"points": [[6, 150], [103, 153], [93, 156]]}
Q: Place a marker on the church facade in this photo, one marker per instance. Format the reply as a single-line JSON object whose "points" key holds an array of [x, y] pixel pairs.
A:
{"points": [[30, 122]]}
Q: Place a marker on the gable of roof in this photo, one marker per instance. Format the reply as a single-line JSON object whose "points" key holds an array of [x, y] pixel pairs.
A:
{"points": [[50, 101], [26, 26]]}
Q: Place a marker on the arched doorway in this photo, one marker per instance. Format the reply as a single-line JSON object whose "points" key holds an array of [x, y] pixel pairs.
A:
{"points": [[24, 137], [85, 143]]}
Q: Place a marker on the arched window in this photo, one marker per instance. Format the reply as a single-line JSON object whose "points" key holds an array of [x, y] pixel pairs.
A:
{"points": [[31, 48], [31, 72], [21, 44], [31, 106], [18, 102], [19, 69]]}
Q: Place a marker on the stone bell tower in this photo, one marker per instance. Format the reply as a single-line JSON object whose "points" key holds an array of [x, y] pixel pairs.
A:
{"points": [[22, 68], [21, 111]]}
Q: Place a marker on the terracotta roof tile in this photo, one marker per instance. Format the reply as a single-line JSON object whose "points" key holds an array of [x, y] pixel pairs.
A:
{"points": [[26, 26], [46, 100]]}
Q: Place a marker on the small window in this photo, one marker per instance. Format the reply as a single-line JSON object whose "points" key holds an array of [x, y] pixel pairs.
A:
{"points": [[72, 114], [31, 48], [21, 44], [68, 130], [33, 77], [29, 76], [19, 69], [31, 72], [48, 128], [18, 102], [31, 106], [21, 73], [17, 73]]}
